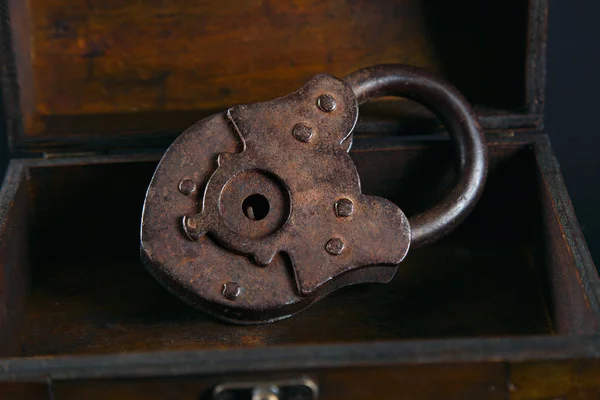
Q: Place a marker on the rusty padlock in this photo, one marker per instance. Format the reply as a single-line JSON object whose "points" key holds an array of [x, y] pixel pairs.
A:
{"points": [[255, 213]]}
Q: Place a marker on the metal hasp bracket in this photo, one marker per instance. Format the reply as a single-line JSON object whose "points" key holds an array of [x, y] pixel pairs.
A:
{"points": [[255, 213]]}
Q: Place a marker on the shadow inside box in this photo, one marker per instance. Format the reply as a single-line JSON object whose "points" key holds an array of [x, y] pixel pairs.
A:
{"points": [[456, 289], [91, 294]]}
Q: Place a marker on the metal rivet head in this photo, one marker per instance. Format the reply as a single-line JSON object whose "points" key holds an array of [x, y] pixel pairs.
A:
{"points": [[326, 102], [344, 208], [231, 290], [303, 132], [335, 246], [187, 186], [191, 223]]}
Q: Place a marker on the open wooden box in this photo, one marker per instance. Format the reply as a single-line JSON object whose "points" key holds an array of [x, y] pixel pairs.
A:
{"points": [[507, 306]]}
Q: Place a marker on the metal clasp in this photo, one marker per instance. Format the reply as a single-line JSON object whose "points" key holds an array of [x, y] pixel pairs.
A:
{"points": [[285, 389]]}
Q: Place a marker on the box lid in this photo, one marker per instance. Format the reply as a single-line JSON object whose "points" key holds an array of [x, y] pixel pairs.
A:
{"points": [[110, 73]]}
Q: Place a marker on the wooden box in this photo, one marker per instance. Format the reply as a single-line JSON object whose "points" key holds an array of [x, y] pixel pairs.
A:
{"points": [[93, 91]]}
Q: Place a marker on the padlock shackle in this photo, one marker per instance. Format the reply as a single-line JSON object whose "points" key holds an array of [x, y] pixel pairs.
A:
{"points": [[454, 111]]}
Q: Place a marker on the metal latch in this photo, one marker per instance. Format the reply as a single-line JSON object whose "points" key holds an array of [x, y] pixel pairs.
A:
{"points": [[290, 389], [255, 213]]}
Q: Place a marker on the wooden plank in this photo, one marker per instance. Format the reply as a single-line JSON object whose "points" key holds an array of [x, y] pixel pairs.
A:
{"points": [[447, 381], [14, 257], [25, 390], [567, 259], [89, 67], [113, 57], [568, 380], [573, 379]]}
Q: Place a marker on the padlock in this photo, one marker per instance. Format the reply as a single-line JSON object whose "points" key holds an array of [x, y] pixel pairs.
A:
{"points": [[255, 213]]}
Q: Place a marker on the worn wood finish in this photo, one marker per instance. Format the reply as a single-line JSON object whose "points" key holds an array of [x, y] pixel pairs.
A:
{"points": [[14, 253], [25, 390], [494, 380], [539, 380], [86, 70], [454, 381], [112, 307], [567, 380], [480, 314], [572, 379], [562, 274], [90, 294]]}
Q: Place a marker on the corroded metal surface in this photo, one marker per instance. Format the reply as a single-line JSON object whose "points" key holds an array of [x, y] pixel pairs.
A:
{"points": [[255, 213], [453, 110], [290, 200], [299, 183]]}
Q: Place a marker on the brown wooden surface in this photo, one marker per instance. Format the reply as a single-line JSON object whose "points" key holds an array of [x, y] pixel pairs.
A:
{"points": [[90, 294], [562, 274], [91, 308], [153, 66], [567, 380], [14, 256], [25, 391], [480, 292], [475, 381], [574, 379]]}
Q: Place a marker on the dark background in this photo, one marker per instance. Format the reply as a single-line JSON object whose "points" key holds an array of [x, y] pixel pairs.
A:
{"points": [[573, 107]]}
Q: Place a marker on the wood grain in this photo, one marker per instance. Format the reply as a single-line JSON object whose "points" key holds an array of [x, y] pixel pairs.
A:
{"points": [[103, 57], [541, 380], [447, 381], [568, 380], [91, 295], [154, 66], [14, 258]]}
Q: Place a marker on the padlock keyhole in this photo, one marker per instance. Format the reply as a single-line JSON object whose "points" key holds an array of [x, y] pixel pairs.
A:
{"points": [[256, 207]]}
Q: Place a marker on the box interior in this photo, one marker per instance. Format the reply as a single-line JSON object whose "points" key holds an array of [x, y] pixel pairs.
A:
{"points": [[495, 276], [95, 73]]}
